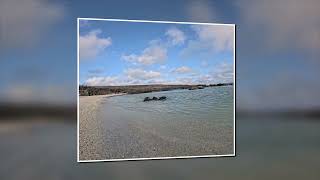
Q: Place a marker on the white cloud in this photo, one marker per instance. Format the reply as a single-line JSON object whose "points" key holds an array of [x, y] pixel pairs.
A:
{"points": [[91, 45], [130, 58], [153, 54], [130, 76], [182, 70], [156, 52], [140, 74], [222, 73], [102, 81], [176, 36], [210, 39], [217, 38], [24, 22], [184, 80]]}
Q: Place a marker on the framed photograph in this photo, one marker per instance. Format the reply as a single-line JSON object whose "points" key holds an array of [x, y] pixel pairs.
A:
{"points": [[154, 89]]}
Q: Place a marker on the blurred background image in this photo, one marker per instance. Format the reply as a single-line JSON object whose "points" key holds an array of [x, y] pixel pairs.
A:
{"points": [[277, 87]]}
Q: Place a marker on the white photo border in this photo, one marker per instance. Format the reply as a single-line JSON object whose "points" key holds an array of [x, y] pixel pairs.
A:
{"points": [[163, 22]]}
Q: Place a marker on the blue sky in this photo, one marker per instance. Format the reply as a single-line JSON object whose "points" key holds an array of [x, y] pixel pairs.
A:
{"points": [[122, 53], [277, 45]]}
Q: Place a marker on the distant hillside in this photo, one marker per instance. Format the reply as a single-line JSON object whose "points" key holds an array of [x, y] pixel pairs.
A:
{"points": [[136, 89]]}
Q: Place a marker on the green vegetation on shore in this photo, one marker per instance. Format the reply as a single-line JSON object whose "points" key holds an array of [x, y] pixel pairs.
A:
{"points": [[136, 89]]}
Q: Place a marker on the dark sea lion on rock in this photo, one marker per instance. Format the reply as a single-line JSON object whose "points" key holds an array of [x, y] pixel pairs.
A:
{"points": [[146, 99]]}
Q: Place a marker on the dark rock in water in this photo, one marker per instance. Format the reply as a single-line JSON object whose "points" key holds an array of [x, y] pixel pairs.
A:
{"points": [[154, 98], [162, 98]]}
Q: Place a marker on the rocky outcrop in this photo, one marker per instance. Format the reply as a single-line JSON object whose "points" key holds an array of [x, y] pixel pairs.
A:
{"points": [[154, 98]]}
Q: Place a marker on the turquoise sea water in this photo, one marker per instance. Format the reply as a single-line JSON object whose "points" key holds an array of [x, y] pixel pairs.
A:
{"points": [[188, 123]]}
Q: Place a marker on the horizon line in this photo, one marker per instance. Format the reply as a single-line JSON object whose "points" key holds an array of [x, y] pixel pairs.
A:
{"points": [[160, 84]]}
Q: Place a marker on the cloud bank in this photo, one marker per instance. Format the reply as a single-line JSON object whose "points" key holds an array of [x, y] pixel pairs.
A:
{"points": [[102, 81], [140, 74], [182, 70], [210, 39], [154, 54]]}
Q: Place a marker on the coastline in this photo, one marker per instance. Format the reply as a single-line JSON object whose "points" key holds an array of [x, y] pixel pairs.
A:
{"points": [[138, 89], [131, 128], [89, 125], [93, 102]]}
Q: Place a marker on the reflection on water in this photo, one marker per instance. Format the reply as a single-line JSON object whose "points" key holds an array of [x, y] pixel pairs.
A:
{"points": [[266, 148]]}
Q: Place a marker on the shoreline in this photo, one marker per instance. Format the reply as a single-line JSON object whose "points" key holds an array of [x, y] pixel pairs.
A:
{"points": [[93, 102], [117, 132], [138, 89], [89, 125]]}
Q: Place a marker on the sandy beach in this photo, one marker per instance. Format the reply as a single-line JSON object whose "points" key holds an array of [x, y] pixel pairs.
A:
{"points": [[89, 126]]}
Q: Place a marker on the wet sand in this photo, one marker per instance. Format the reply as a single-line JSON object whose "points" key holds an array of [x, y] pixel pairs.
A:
{"points": [[90, 129]]}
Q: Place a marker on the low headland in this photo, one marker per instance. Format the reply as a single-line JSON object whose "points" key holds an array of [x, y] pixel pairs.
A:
{"points": [[137, 89]]}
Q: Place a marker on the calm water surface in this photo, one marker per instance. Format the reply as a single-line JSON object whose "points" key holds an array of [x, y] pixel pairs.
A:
{"points": [[188, 123]]}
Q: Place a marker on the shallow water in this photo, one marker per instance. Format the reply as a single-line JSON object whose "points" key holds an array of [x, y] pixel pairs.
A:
{"points": [[188, 123]]}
